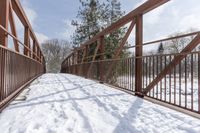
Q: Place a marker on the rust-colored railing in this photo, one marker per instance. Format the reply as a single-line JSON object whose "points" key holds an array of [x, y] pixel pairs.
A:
{"points": [[181, 86], [15, 71], [172, 76], [21, 62]]}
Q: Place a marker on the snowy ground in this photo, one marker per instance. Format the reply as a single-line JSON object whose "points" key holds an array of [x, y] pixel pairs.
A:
{"points": [[61, 103]]}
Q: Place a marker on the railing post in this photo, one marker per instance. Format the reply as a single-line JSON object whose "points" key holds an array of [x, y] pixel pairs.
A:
{"points": [[69, 64], [198, 82], [86, 61], [2, 73], [26, 41], [101, 68], [40, 56], [73, 69], [38, 53], [138, 52], [34, 49], [77, 66]]}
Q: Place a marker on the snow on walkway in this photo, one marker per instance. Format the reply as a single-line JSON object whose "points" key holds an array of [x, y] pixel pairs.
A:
{"points": [[61, 103]]}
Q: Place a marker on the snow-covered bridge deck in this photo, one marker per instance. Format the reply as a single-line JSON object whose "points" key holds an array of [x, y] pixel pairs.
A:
{"points": [[66, 103]]}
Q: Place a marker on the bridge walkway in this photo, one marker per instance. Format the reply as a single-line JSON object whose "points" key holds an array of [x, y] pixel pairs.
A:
{"points": [[68, 103]]}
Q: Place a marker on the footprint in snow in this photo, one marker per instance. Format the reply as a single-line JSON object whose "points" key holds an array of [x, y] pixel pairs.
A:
{"points": [[37, 126], [113, 107]]}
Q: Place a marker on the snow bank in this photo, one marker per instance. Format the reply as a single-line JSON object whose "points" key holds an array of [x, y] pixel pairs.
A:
{"points": [[61, 103]]}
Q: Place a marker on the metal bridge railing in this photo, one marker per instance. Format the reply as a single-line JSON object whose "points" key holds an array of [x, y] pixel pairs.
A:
{"points": [[22, 63], [15, 71]]}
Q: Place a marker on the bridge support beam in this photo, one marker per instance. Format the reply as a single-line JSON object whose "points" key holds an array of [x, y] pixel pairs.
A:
{"points": [[34, 49], [13, 27], [138, 54], [4, 17], [27, 42]]}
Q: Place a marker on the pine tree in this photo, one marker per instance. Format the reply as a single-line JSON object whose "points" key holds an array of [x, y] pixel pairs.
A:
{"points": [[89, 17], [94, 16], [115, 12], [161, 48], [113, 40]]}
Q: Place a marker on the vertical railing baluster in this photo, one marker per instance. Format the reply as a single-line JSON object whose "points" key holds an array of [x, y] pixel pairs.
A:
{"points": [[133, 74], [180, 75], [161, 80], [150, 72], [199, 82], [192, 80], [170, 78], [129, 73], [153, 74], [157, 67], [165, 79], [146, 71], [121, 73], [175, 83], [143, 72], [185, 82]]}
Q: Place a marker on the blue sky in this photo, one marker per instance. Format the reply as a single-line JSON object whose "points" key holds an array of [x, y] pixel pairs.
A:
{"points": [[52, 18]]}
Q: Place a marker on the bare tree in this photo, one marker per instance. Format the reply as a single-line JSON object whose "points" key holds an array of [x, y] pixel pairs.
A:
{"points": [[177, 45], [55, 51]]}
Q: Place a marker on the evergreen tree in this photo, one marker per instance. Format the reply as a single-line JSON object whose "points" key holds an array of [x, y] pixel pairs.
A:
{"points": [[115, 10], [89, 17], [94, 16], [114, 39], [161, 48]]}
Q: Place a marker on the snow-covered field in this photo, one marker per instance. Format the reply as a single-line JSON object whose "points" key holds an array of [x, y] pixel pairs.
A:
{"points": [[61, 103]]}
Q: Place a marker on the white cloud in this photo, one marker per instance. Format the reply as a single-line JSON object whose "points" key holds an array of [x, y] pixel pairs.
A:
{"points": [[175, 16], [32, 16], [69, 30], [191, 21], [139, 3], [154, 16], [41, 37], [30, 13]]}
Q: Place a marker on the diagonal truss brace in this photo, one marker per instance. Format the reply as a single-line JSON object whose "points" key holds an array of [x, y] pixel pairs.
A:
{"points": [[13, 27], [119, 50], [173, 63], [93, 59]]}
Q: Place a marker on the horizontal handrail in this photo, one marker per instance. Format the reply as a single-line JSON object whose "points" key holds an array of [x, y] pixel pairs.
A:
{"points": [[19, 54], [165, 39], [173, 54], [147, 43]]}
